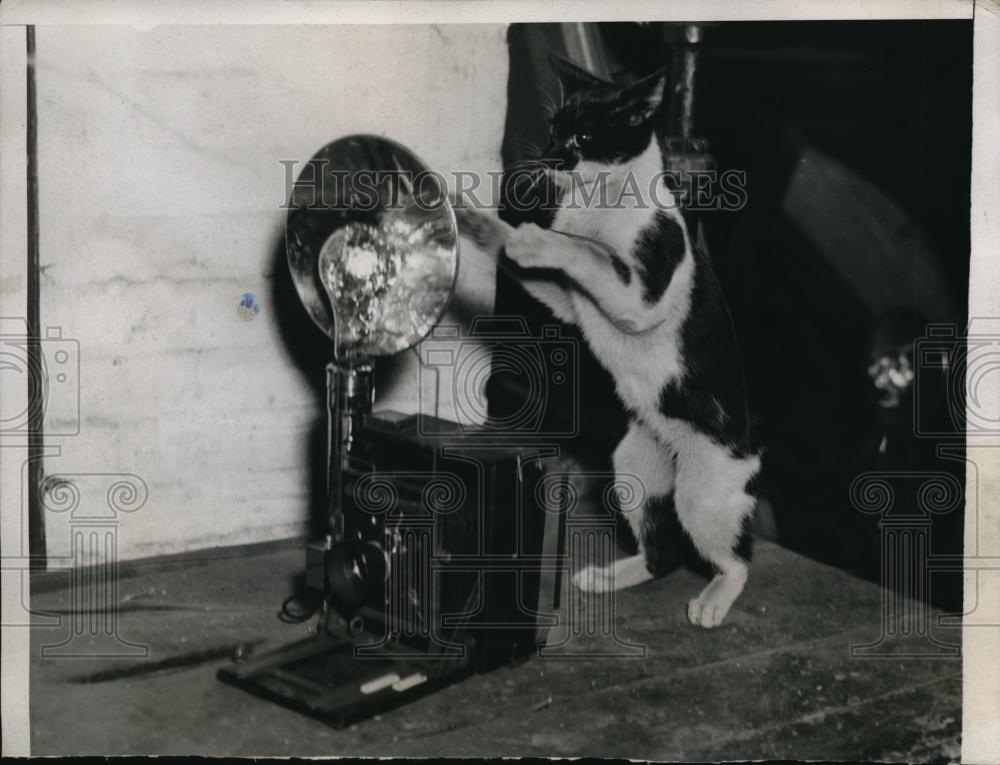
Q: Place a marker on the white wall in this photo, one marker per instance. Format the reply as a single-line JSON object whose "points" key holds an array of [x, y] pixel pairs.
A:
{"points": [[160, 190]]}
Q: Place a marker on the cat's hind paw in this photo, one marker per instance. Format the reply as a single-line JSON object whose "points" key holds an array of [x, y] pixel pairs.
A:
{"points": [[705, 614], [711, 606]]}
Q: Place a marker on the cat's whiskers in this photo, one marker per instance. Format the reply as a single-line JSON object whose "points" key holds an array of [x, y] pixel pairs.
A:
{"points": [[524, 169], [549, 106], [527, 174], [548, 111], [548, 97], [561, 178], [526, 162], [533, 178], [534, 148]]}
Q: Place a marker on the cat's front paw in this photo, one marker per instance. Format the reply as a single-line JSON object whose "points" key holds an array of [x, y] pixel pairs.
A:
{"points": [[487, 231], [593, 579], [530, 246]]}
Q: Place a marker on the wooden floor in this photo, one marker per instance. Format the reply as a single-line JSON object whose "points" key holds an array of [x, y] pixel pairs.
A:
{"points": [[775, 681]]}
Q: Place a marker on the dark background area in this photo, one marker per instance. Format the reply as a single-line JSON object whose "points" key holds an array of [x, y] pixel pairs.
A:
{"points": [[886, 109]]}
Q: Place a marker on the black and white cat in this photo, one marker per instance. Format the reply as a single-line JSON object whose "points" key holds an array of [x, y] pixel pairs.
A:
{"points": [[623, 269]]}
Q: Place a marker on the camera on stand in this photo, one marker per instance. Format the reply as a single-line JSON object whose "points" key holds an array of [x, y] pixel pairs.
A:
{"points": [[445, 545]]}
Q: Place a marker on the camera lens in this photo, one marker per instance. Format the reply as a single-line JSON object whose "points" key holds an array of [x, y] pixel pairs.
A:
{"points": [[344, 576], [356, 573]]}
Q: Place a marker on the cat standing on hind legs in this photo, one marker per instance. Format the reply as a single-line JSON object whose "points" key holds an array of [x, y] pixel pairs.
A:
{"points": [[618, 262]]}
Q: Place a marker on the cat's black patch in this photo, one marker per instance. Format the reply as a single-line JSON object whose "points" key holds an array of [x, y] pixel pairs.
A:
{"points": [[667, 546], [660, 250], [705, 413], [622, 269], [711, 395], [661, 530], [744, 543]]}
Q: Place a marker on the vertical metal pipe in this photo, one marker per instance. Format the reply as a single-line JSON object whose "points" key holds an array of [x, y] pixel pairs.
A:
{"points": [[36, 404], [350, 395], [684, 70]]}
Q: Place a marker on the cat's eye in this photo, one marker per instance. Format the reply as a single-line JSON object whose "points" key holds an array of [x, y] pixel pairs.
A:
{"points": [[582, 139]]}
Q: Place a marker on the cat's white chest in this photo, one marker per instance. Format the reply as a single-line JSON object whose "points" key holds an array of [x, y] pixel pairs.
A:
{"points": [[641, 364], [616, 213], [617, 228]]}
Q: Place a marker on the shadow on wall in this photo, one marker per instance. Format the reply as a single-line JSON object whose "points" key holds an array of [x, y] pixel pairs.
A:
{"points": [[310, 350]]}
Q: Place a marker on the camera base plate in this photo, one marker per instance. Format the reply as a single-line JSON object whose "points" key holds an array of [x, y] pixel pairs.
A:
{"points": [[326, 678]]}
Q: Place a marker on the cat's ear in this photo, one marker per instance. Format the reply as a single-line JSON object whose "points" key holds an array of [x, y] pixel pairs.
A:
{"points": [[572, 76], [643, 98]]}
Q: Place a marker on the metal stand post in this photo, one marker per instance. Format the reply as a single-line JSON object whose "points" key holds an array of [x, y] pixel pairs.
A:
{"points": [[350, 395]]}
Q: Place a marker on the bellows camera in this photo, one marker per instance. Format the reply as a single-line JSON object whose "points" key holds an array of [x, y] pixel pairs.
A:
{"points": [[443, 555]]}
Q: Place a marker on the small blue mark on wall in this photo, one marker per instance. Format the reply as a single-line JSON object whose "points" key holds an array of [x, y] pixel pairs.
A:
{"points": [[248, 306]]}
